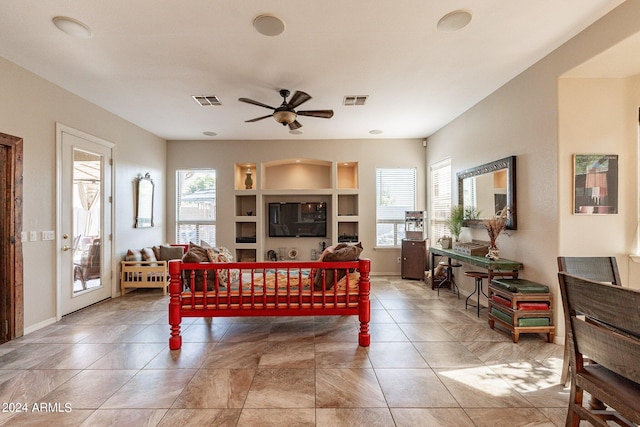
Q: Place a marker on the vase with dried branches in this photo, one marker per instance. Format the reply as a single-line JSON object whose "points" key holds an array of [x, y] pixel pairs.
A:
{"points": [[495, 226]]}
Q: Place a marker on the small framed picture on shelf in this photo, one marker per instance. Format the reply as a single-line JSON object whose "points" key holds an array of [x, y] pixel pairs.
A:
{"points": [[595, 184]]}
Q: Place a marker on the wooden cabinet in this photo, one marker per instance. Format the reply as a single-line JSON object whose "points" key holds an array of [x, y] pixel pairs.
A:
{"points": [[413, 259]]}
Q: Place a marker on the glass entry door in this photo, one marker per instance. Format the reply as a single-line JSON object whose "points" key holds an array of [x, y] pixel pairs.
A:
{"points": [[85, 222], [86, 231]]}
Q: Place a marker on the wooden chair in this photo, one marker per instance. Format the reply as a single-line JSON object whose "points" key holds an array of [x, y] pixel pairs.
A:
{"points": [[598, 269], [602, 321]]}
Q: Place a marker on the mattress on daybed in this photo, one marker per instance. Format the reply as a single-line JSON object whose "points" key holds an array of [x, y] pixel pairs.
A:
{"points": [[278, 281]]}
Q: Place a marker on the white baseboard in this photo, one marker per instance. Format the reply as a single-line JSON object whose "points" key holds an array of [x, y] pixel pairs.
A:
{"points": [[40, 325]]}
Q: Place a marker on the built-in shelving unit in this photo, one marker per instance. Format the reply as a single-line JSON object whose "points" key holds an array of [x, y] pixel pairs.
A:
{"points": [[302, 180]]}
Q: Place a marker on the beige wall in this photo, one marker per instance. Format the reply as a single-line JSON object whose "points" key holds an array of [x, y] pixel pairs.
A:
{"points": [[370, 154], [29, 108], [600, 116], [521, 119]]}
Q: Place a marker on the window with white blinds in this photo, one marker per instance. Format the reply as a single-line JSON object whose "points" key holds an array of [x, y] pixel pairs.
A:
{"points": [[395, 194], [469, 196], [196, 206], [440, 198]]}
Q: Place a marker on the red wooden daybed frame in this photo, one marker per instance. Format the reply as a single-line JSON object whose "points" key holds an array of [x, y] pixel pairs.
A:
{"points": [[248, 297]]}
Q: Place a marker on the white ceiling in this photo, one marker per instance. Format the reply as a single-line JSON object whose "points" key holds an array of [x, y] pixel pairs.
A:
{"points": [[148, 57]]}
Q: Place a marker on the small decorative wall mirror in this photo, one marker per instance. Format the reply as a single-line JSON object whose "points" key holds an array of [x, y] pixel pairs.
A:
{"points": [[144, 201]]}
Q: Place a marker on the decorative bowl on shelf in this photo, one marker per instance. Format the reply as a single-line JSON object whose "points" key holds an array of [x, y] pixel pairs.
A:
{"points": [[293, 253]]}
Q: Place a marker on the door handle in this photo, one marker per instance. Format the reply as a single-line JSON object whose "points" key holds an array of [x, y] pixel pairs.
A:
{"points": [[66, 248]]}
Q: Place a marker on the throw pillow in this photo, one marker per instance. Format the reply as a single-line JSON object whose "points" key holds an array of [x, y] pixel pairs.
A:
{"points": [[148, 255], [339, 253], [133, 255], [344, 252], [196, 254], [222, 254], [168, 252]]}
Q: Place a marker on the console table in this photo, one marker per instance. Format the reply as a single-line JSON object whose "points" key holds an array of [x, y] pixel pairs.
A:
{"points": [[495, 268]]}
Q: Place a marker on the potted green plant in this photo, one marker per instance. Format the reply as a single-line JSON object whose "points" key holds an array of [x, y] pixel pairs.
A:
{"points": [[455, 221], [445, 242], [471, 213]]}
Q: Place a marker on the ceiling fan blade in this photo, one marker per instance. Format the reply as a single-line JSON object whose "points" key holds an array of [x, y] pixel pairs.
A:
{"points": [[324, 114], [294, 125], [251, 101], [298, 98], [258, 118]]}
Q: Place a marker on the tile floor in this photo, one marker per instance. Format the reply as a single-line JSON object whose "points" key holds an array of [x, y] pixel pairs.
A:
{"points": [[430, 363]]}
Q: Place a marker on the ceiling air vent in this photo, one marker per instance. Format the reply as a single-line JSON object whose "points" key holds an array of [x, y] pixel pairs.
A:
{"points": [[207, 101], [352, 100]]}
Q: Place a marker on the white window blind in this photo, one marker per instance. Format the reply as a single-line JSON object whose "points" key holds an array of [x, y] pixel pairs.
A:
{"points": [[440, 198], [469, 197], [196, 206], [395, 194]]}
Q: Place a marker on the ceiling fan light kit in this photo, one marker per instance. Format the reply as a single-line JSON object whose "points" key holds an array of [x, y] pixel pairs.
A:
{"points": [[286, 113], [284, 116]]}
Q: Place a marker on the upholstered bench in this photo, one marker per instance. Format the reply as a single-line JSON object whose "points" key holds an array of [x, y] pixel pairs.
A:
{"points": [[521, 306]]}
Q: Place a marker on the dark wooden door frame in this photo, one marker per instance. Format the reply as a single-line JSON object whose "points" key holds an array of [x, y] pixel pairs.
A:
{"points": [[12, 294]]}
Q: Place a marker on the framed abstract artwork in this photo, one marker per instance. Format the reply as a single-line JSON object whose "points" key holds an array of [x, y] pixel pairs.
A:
{"points": [[595, 184]]}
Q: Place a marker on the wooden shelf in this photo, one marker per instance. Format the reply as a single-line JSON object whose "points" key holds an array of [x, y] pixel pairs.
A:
{"points": [[296, 180], [240, 178]]}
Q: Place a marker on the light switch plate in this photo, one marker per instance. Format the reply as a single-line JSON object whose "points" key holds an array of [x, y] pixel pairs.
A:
{"points": [[33, 236], [23, 236], [48, 235]]}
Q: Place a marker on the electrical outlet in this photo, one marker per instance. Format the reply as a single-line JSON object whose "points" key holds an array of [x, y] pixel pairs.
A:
{"points": [[48, 235], [33, 236]]}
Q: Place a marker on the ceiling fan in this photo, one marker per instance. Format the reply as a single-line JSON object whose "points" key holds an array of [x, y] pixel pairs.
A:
{"points": [[286, 113]]}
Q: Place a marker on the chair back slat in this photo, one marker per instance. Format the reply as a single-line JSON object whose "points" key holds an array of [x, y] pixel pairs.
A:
{"points": [[598, 269], [613, 305]]}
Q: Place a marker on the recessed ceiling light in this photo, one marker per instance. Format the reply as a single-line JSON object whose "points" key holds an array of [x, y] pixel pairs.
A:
{"points": [[375, 132], [209, 133], [72, 27], [269, 25], [454, 21]]}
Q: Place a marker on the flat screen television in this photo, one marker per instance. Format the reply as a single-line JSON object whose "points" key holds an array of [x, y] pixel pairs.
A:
{"points": [[298, 219]]}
